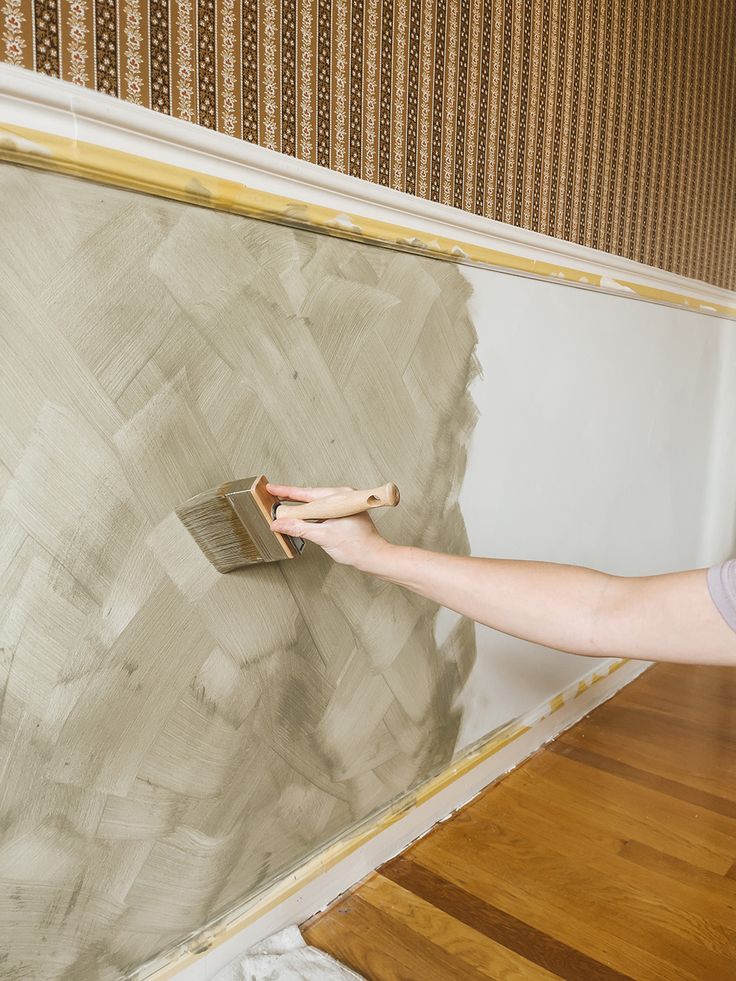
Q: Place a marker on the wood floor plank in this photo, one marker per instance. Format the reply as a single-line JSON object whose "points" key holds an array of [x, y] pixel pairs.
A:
{"points": [[621, 809], [645, 776], [584, 897], [716, 887], [573, 924], [593, 840], [645, 720], [716, 684], [665, 750], [610, 854], [357, 948], [638, 789], [560, 837], [503, 927], [388, 949], [466, 944], [715, 710]]}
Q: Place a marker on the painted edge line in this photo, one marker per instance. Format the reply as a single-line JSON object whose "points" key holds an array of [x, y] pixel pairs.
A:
{"points": [[212, 935]]}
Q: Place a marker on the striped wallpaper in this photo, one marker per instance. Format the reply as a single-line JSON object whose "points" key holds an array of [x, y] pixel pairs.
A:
{"points": [[605, 122]]}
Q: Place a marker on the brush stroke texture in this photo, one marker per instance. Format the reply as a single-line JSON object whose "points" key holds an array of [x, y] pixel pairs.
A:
{"points": [[172, 740]]}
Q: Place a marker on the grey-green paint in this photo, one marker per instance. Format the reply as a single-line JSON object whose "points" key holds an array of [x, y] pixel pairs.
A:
{"points": [[171, 740]]}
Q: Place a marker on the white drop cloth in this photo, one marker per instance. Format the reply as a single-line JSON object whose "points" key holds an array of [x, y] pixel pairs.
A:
{"points": [[285, 957]]}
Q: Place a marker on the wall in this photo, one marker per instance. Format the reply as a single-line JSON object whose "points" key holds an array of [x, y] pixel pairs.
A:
{"points": [[173, 740], [604, 122]]}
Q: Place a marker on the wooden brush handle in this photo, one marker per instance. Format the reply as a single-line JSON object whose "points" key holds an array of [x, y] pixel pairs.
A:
{"points": [[343, 504]]}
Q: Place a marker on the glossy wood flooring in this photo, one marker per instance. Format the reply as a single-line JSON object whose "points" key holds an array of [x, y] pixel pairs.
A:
{"points": [[610, 854]]}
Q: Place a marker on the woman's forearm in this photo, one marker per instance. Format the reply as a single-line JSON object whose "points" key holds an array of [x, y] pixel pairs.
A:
{"points": [[653, 618], [668, 617], [555, 605]]}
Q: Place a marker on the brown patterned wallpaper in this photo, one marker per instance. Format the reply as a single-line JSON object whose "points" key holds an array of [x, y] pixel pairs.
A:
{"points": [[605, 122]]}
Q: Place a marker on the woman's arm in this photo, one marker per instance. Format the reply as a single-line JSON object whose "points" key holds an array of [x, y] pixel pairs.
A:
{"points": [[658, 618]]}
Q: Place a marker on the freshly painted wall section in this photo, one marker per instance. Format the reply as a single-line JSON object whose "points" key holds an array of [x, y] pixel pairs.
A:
{"points": [[606, 123], [174, 739]]}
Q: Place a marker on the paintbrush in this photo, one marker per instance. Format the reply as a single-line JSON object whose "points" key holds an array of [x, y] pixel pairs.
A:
{"points": [[232, 523]]}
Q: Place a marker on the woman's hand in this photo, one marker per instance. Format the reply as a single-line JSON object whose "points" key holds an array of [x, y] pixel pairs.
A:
{"points": [[350, 541]]}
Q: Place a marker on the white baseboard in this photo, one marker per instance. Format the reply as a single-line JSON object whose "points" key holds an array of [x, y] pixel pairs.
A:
{"points": [[322, 879]]}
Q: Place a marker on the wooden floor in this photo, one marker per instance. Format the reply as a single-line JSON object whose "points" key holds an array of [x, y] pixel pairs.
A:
{"points": [[610, 854]]}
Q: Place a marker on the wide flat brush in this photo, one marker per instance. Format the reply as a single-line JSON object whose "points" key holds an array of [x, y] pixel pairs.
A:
{"points": [[232, 523]]}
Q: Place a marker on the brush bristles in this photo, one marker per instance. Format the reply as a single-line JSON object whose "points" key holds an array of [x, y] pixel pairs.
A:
{"points": [[218, 531]]}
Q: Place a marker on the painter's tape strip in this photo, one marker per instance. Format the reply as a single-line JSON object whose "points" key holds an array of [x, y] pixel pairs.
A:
{"points": [[120, 169]]}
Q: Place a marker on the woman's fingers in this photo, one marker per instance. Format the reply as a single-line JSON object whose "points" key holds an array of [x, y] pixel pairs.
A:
{"points": [[298, 529], [347, 540], [304, 494], [287, 493]]}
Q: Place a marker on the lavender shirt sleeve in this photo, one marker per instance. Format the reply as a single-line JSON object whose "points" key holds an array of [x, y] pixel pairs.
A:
{"points": [[722, 586]]}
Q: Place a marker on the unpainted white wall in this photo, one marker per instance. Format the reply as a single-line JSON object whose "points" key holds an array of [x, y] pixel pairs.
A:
{"points": [[605, 438]]}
